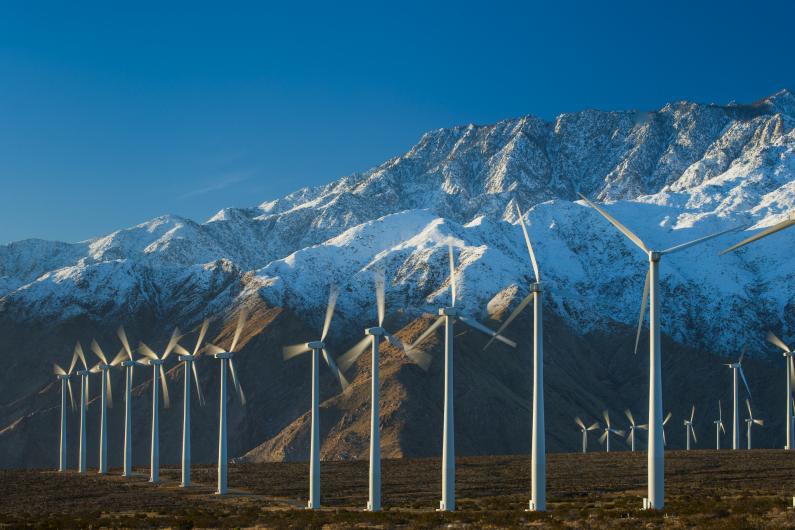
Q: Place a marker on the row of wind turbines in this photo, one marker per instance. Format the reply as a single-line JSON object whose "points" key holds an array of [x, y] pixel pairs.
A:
{"points": [[448, 317]]}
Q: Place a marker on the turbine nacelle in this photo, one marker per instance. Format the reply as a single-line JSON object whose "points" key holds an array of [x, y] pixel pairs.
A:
{"points": [[375, 332], [224, 355], [131, 363], [155, 362], [449, 312], [316, 345]]}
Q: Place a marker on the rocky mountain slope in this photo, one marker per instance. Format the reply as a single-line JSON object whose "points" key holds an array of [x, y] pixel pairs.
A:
{"points": [[671, 175]]}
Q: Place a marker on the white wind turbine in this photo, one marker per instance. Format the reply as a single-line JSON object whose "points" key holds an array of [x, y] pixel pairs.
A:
{"points": [[189, 368], [225, 356], [84, 373], [632, 428], [448, 317], [584, 430], [158, 376], [605, 438], [317, 347], [737, 368], [719, 426], [788, 353], [66, 385], [129, 365], [538, 474], [106, 399], [373, 337], [689, 431], [656, 456], [750, 421]]}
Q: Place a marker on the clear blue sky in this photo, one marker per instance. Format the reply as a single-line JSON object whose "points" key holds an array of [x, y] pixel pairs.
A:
{"points": [[114, 113]]}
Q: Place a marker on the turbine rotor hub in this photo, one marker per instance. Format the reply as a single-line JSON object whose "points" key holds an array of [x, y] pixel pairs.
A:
{"points": [[377, 331], [448, 311], [316, 345]]}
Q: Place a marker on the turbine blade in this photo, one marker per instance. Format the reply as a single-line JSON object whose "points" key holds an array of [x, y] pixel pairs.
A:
{"points": [[759, 422], [202, 333], [334, 370], [643, 304], [350, 356], [81, 355], [57, 370], [606, 416], [720, 412], [511, 317], [172, 343], [603, 438], [427, 332], [748, 404], [689, 244], [643, 426], [288, 352], [332, 301], [745, 381], [619, 432], [124, 342], [147, 352], [164, 386], [623, 229], [631, 419], [71, 394], [472, 323], [593, 426], [394, 341], [452, 269], [766, 232], [98, 351], [771, 338], [668, 417], [529, 246], [212, 349], [181, 350], [692, 413], [379, 296], [742, 355], [199, 393], [579, 422], [241, 322], [791, 369], [693, 432], [236, 382], [119, 358], [722, 428], [420, 358], [109, 391]]}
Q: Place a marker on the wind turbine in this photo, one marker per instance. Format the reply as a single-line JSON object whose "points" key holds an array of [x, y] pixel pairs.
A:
{"points": [[189, 368], [632, 428], [66, 384], [605, 438], [225, 356], [737, 368], [158, 376], [584, 430], [770, 230], [538, 472], [656, 455], [317, 347], [106, 399], [84, 373], [750, 421], [689, 431], [373, 337], [448, 317], [719, 426], [129, 364], [788, 353]]}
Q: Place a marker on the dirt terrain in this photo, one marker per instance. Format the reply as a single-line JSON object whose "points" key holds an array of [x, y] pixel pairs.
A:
{"points": [[705, 489]]}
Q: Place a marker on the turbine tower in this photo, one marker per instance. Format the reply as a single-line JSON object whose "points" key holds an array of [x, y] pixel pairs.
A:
{"points": [[632, 428], [225, 356], [189, 367], [605, 438], [129, 364], [750, 421], [656, 456], [584, 430], [158, 376], [719, 426], [373, 337], [66, 385], [689, 431], [317, 348], [448, 317], [737, 368], [790, 367], [538, 467], [84, 373], [106, 399]]}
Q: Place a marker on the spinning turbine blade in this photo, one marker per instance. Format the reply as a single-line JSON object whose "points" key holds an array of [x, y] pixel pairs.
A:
{"points": [[202, 333], [693, 432], [146, 351], [182, 351], [748, 404], [452, 270], [241, 321], [71, 394], [529, 246], [771, 338], [172, 343], [603, 438], [692, 413], [689, 244], [745, 381], [349, 357], [668, 417], [766, 232], [164, 384], [236, 382], [511, 317], [288, 352], [212, 349], [81, 355], [72, 362], [332, 301], [472, 323], [119, 358], [123, 338], [379, 296], [642, 310], [623, 229], [579, 422], [198, 385], [98, 351], [606, 416], [418, 357], [720, 412], [593, 426], [57, 370], [742, 355], [336, 371], [630, 417], [427, 332]]}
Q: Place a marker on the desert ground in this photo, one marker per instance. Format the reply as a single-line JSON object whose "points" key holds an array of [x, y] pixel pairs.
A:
{"points": [[704, 489]]}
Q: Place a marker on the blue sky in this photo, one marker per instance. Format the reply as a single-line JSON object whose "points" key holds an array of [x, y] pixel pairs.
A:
{"points": [[112, 113]]}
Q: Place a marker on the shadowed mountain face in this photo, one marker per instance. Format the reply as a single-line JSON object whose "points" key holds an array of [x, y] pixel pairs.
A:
{"points": [[677, 173]]}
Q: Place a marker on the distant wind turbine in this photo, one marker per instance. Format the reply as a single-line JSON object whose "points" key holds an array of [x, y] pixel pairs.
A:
{"points": [[66, 385], [584, 430], [84, 373], [632, 428], [605, 438], [719, 426], [788, 353], [689, 430], [737, 368], [750, 421], [106, 399], [129, 365]]}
